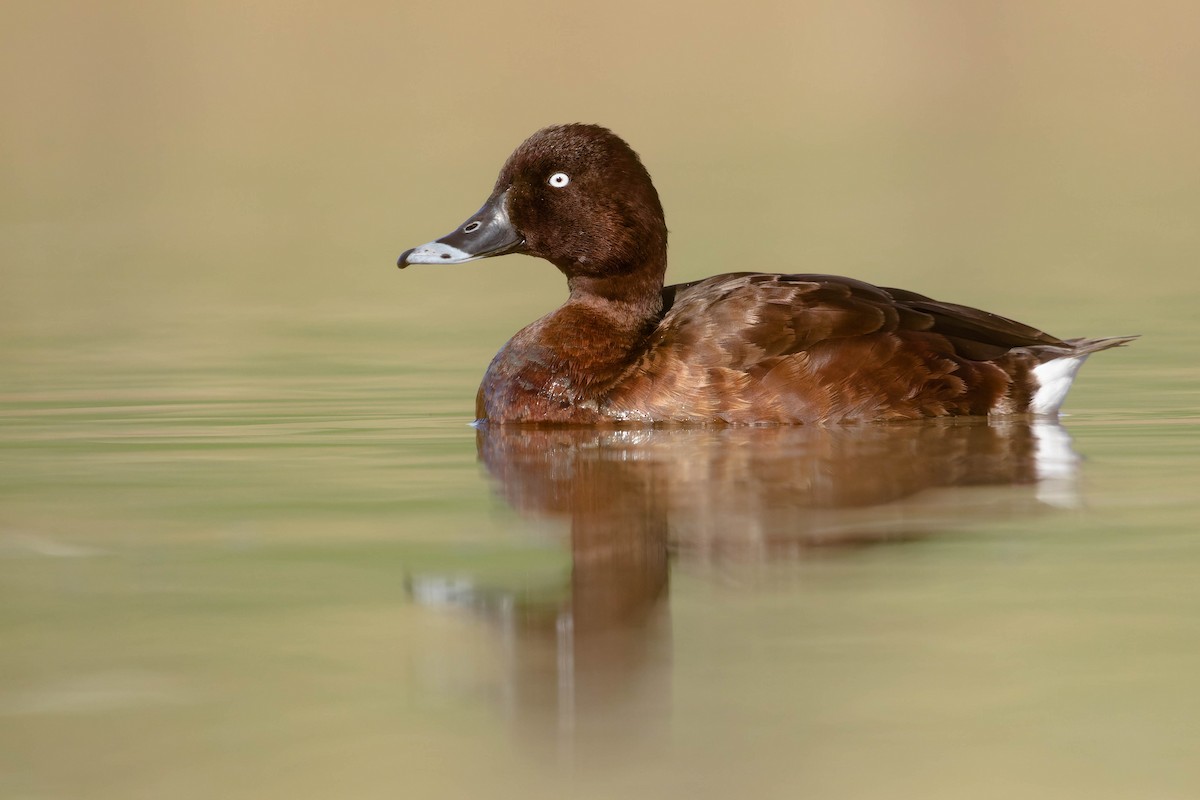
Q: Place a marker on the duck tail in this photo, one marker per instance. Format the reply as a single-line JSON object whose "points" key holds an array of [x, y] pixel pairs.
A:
{"points": [[1083, 347], [1058, 368]]}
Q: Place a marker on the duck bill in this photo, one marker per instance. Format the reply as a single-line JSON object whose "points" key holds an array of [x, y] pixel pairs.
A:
{"points": [[488, 232]]}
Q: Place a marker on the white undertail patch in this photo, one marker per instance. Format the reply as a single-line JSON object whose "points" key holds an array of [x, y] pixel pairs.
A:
{"points": [[1054, 379]]}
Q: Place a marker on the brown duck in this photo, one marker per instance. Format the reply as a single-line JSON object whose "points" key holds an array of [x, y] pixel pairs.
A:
{"points": [[741, 348]]}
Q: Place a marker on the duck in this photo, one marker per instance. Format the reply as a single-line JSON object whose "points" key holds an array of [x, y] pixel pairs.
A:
{"points": [[741, 348]]}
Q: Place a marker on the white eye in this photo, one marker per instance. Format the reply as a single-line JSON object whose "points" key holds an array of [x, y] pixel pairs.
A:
{"points": [[559, 179]]}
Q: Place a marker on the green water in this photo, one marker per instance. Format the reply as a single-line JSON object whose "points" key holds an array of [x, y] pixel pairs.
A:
{"points": [[290, 567], [250, 546]]}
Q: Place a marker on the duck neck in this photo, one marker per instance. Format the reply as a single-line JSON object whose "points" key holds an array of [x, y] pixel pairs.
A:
{"points": [[629, 307], [604, 321], [630, 295]]}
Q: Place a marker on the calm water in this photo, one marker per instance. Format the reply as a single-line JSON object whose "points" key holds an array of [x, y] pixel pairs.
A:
{"points": [[256, 569]]}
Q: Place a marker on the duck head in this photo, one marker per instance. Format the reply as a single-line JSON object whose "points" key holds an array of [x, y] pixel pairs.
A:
{"points": [[575, 195]]}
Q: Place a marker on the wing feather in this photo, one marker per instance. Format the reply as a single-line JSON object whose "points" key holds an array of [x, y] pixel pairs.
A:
{"points": [[818, 346]]}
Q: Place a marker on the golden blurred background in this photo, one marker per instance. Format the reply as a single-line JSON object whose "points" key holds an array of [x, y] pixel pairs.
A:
{"points": [[217, 161]]}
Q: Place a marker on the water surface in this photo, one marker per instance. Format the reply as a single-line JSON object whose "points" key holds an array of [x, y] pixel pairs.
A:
{"points": [[259, 579]]}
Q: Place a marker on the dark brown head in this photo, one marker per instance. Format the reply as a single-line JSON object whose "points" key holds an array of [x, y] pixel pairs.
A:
{"points": [[575, 195]]}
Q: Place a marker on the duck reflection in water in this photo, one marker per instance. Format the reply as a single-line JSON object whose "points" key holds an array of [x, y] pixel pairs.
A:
{"points": [[721, 500]]}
